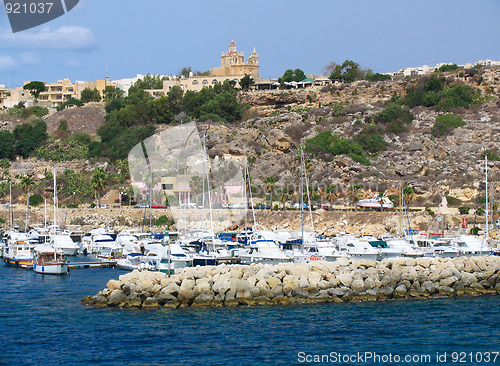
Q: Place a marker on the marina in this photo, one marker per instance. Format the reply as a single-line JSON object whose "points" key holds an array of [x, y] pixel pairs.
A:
{"points": [[69, 333]]}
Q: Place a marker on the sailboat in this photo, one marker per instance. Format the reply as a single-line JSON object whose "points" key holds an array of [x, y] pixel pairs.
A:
{"points": [[311, 248], [60, 240]]}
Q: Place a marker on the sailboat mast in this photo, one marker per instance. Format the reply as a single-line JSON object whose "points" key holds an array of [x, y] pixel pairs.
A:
{"points": [[11, 215], [55, 200], [205, 158], [203, 188], [486, 173], [245, 197], [301, 200]]}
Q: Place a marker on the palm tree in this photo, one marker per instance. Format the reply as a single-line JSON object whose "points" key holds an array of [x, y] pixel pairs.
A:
{"points": [[354, 188], [99, 182], [408, 195], [381, 200], [283, 197], [331, 195], [270, 186], [26, 183]]}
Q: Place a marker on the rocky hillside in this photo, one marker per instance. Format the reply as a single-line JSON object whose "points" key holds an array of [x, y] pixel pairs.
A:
{"points": [[434, 166], [278, 121]]}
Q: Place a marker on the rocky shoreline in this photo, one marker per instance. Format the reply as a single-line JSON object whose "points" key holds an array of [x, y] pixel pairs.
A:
{"points": [[317, 282]]}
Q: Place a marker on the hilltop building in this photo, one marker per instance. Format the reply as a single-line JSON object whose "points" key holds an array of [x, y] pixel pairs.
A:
{"points": [[58, 93], [232, 63], [233, 67]]}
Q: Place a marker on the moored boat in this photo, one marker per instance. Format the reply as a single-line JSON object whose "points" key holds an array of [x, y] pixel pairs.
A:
{"points": [[19, 252], [48, 260]]}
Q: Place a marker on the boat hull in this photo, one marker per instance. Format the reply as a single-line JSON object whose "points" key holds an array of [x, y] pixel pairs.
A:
{"points": [[18, 262], [52, 269]]}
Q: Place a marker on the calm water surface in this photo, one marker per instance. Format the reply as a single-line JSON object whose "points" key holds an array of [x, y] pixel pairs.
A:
{"points": [[43, 323]]}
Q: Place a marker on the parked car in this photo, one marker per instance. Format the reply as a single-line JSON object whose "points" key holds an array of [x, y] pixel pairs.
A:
{"points": [[187, 205], [297, 206], [262, 206], [158, 206], [141, 205]]}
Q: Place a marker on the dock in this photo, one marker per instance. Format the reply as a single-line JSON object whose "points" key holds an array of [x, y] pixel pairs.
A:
{"points": [[98, 264]]}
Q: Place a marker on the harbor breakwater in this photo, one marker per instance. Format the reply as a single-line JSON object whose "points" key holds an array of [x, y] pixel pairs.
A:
{"points": [[317, 282]]}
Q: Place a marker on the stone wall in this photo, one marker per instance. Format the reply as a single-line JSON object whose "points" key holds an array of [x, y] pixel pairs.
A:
{"points": [[317, 282]]}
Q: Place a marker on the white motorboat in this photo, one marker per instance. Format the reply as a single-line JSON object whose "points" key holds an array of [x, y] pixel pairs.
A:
{"points": [[470, 246], [404, 247], [48, 260], [64, 242], [356, 248], [98, 240], [264, 250], [376, 202], [131, 261], [384, 249], [319, 250]]}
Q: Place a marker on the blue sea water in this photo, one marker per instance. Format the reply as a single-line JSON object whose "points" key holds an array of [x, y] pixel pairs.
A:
{"points": [[42, 322]]}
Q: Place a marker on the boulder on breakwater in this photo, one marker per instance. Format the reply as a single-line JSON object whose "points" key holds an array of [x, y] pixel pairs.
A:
{"points": [[317, 282]]}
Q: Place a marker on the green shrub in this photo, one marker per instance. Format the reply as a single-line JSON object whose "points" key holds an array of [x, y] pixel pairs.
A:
{"points": [[452, 201], [29, 136], [395, 118], [448, 67], [61, 150], [370, 76], [491, 155], [464, 210], [326, 142], [82, 138], [162, 220], [480, 211], [394, 198], [36, 199], [445, 124], [433, 91], [7, 145], [370, 139]]}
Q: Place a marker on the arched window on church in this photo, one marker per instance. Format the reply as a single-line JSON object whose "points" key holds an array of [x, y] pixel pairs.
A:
{"points": [[195, 82], [205, 82], [214, 82]]}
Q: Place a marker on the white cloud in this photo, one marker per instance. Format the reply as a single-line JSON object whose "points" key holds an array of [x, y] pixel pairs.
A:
{"points": [[30, 58], [7, 63], [64, 38]]}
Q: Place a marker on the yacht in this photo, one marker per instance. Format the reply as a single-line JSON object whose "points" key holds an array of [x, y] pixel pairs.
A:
{"points": [[64, 242], [319, 250], [404, 247], [262, 249], [469, 245], [356, 248], [385, 251], [98, 240], [376, 202]]}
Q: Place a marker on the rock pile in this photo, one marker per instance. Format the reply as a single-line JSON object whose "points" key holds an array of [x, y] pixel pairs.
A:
{"points": [[317, 282]]}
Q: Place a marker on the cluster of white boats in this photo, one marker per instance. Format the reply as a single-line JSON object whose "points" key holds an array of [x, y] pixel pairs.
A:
{"points": [[45, 250]]}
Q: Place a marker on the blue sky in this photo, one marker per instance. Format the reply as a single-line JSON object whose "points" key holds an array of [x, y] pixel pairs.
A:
{"points": [[124, 38]]}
